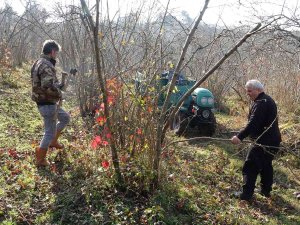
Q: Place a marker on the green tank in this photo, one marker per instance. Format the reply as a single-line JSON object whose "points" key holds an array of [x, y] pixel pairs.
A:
{"points": [[196, 111], [203, 97]]}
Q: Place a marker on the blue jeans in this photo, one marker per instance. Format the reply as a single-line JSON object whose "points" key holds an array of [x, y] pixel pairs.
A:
{"points": [[50, 114]]}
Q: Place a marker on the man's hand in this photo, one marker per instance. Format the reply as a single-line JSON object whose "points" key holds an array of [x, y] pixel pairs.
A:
{"points": [[235, 140]]}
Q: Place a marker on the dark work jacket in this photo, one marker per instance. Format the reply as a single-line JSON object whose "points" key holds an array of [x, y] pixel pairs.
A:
{"points": [[262, 115]]}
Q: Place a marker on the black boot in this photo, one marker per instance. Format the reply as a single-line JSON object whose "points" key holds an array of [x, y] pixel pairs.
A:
{"points": [[265, 193]]}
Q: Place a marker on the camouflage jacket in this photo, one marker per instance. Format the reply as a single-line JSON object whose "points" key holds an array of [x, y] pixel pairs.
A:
{"points": [[45, 85]]}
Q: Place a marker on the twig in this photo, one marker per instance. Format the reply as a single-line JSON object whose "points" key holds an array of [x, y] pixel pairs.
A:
{"points": [[160, 134], [23, 217], [229, 140], [208, 74], [202, 138]]}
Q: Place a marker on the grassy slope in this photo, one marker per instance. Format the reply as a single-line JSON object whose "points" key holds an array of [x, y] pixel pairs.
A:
{"points": [[201, 178]]}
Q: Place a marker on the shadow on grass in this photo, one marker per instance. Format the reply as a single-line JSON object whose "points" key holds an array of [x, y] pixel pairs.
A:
{"points": [[278, 208], [70, 205], [80, 202], [97, 202], [236, 152]]}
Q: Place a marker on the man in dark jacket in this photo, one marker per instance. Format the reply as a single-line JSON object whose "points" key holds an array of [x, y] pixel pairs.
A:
{"points": [[262, 128], [46, 92]]}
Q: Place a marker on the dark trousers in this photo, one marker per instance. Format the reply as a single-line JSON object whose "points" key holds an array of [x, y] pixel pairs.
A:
{"points": [[258, 161]]}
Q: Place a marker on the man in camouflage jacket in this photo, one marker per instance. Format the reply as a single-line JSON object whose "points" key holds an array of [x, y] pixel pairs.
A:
{"points": [[46, 92]]}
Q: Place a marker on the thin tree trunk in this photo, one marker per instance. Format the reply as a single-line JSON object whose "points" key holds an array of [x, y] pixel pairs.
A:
{"points": [[101, 80], [159, 136]]}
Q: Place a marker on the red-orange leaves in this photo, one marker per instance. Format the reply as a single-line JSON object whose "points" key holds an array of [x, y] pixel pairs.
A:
{"points": [[98, 139], [96, 142], [101, 120], [105, 164], [99, 142], [110, 100], [113, 85], [13, 153], [108, 135], [139, 131], [105, 143]]}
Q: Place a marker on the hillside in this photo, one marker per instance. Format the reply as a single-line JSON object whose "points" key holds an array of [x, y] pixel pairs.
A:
{"points": [[201, 177]]}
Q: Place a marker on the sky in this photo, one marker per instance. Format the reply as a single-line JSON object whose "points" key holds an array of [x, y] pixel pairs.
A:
{"points": [[223, 12]]}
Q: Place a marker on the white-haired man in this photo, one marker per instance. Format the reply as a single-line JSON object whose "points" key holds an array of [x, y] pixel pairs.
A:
{"points": [[263, 129]]}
